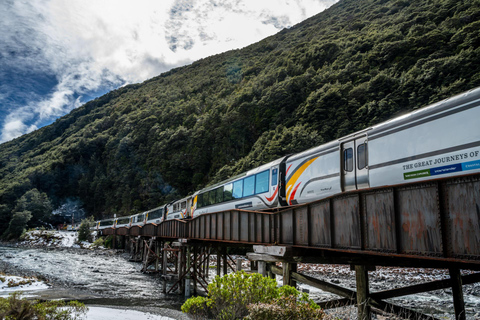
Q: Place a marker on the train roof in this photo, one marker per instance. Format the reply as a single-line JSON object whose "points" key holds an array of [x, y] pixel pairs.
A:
{"points": [[465, 99], [327, 147], [461, 100]]}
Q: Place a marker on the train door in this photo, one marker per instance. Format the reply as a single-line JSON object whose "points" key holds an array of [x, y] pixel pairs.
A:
{"points": [[361, 155], [348, 166], [354, 164]]}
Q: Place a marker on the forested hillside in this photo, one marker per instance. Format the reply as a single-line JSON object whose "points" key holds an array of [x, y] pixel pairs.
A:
{"points": [[354, 65]]}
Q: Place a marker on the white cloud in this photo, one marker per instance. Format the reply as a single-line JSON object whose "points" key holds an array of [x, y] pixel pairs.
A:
{"points": [[89, 44]]}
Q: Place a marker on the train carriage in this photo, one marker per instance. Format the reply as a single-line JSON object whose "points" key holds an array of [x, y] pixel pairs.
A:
{"points": [[440, 140], [156, 215], [179, 209], [256, 189]]}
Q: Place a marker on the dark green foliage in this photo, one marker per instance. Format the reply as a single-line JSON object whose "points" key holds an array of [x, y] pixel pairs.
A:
{"points": [[18, 308], [352, 66], [17, 225], [84, 232], [38, 205]]}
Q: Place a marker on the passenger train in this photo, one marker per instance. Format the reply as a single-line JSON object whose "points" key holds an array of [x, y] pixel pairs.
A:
{"points": [[440, 140]]}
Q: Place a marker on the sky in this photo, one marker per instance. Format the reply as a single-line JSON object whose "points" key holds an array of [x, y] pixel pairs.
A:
{"points": [[55, 55]]}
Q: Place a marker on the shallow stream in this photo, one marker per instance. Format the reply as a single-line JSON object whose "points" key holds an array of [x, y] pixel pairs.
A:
{"points": [[100, 278]]}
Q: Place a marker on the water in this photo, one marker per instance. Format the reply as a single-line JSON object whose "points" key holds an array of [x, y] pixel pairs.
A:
{"points": [[95, 278]]}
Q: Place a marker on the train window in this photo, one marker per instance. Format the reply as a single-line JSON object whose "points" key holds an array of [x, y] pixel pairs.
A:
{"points": [[237, 189], [348, 159], [261, 182], [211, 197], [274, 177], [200, 200], [249, 186], [362, 156], [183, 205], [227, 192], [219, 195]]}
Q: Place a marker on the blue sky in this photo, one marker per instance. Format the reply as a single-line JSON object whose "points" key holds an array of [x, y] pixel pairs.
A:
{"points": [[55, 55]]}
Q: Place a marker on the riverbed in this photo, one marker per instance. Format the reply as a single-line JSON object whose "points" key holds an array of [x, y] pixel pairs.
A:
{"points": [[105, 278], [101, 278]]}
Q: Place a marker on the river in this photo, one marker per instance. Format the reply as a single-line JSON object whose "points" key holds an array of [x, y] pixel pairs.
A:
{"points": [[97, 278], [106, 278]]}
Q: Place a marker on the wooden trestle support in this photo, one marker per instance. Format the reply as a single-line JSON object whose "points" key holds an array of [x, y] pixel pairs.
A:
{"points": [[431, 224], [184, 267], [367, 302]]}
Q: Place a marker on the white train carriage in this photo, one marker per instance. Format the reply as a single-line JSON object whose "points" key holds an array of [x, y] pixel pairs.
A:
{"points": [[123, 222], [179, 209], [106, 223], [156, 215], [256, 189], [138, 219], [440, 140]]}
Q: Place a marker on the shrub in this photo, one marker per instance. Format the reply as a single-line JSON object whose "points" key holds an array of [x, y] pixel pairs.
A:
{"points": [[285, 307], [197, 308], [100, 242], [15, 307], [108, 242], [84, 232], [235, 295]]}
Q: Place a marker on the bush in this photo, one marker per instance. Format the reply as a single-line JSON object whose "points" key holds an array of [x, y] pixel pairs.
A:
{"points": [[197, 308], [109, 242], [286, 307], [15, 307], [17, 225], [100, 242], [236, 295], [84, 232]]}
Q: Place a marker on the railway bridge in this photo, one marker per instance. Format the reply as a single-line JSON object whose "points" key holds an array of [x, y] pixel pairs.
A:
{"points": [[434, 224]]}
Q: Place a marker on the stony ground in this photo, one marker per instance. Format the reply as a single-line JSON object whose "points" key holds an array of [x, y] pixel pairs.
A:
{"points": [[438, 302]]}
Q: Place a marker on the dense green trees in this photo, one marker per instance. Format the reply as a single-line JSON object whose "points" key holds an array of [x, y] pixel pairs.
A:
{"points": [[33, 209], [354, 65]]}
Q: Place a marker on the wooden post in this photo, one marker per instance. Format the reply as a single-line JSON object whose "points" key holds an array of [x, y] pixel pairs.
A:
{"points": [[262, 268], [188, 294], [288, 268], [181, 269], [287, 273], [164, 268], [195, 271], [362, 293], [157, 252], [270, 273], [219, 262], [208, 262], [239, 264], [114, 242], [457, 292], [225, 261]]}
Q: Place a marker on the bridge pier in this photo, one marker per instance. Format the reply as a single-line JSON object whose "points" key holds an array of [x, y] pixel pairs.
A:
{"points": [[361, 274], [457, 292]]}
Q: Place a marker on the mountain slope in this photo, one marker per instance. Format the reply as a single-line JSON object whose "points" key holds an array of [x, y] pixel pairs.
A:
{"points": [[356, 64]]}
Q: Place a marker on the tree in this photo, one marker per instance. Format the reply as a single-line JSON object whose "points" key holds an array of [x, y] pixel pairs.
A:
{"points": [[84, 232], [39, 206], [17, 225], [5, 216]]}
